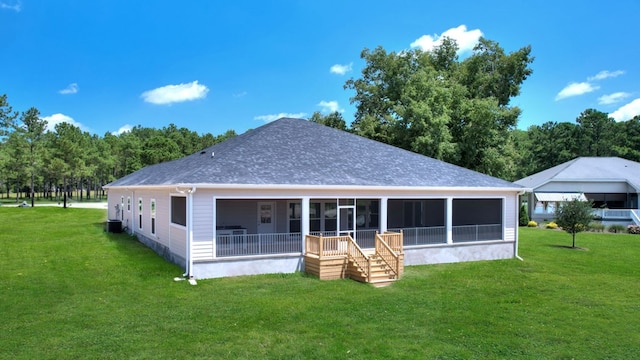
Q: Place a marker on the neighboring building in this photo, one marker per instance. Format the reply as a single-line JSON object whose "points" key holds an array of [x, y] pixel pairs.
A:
{"points": [[244, 206], [611, 183]]}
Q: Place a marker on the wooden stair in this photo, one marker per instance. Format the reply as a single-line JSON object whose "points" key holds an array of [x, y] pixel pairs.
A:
{"points": [[381, 274]]}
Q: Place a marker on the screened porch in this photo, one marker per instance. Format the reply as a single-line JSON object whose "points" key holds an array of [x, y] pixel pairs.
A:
{"points": [[274, 226]]}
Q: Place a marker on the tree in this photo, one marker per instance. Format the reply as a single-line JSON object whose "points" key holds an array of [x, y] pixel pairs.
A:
{"points": [[69, 148], [32, 129], [627, 139], [552, 143], [596, 133], [574, 216], [523, 219], [435, 105], [334, 120]]}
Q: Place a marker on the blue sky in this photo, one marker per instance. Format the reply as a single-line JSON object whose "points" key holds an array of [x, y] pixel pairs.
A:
{"points": [[210, 66]]}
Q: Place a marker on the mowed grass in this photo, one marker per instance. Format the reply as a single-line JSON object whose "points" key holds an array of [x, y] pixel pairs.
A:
{"points": [[68, 290]]}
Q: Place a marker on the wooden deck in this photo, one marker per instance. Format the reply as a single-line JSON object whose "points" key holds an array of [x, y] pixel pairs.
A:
{"points": [[339, 257]]}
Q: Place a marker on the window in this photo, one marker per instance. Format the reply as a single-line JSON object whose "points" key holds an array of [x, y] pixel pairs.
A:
{"points": [[367, 214], [121, 207], [179, 210], [129, 204], [294, 217], [330, 216], [153, 216], [314, 217], [140, 213]]}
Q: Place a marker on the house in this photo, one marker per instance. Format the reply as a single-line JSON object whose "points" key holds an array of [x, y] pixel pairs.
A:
{"points": [[611, 183], [249, 205]]}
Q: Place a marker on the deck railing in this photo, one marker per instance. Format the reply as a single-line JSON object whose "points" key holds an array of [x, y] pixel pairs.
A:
{"points": [[635, 216], [467, 233], [386, 252], [395, 240], [614, 214], [366, 239], [423, 235], [361, 260], [322, 246], [258, 244]]}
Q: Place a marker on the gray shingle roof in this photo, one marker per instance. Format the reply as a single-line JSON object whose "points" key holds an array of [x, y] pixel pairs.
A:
{"points": [[587, 168], [298, 152]]}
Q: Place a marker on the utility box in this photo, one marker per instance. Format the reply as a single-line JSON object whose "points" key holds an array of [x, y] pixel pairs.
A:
{"points": [[114, 226]]}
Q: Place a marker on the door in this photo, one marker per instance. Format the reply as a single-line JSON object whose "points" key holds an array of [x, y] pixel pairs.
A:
{"points": [[346, 217], [266, 217]]}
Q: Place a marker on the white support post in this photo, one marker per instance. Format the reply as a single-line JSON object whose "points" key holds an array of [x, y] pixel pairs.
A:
{"points": [[215, 226], [304, 221], [383, 214], [449, 222]]}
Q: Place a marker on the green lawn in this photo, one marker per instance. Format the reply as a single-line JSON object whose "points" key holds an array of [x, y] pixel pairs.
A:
{"points": [[70, 290]]}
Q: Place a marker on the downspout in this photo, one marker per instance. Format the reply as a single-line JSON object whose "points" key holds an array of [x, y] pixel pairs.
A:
{"points": [[189, 241], [518, 224]]}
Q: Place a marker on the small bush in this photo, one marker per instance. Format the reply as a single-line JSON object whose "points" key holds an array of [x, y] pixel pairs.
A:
{"points": [[532, 224], [633, 229], [616, 228], [552, 225], [524, 216], [596, 226]]}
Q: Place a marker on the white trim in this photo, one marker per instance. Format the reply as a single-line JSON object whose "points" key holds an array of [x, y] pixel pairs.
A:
{"points": [[140, 213], [326, 187], [153, 220], [215, 226]]}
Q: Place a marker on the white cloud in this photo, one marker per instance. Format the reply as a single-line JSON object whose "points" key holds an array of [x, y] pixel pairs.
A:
{"points": [[627, 111], [123, 129], [341, 69], [575, 89], [71, 89], [466, 39], [612, 98], [272, 117], [175, 93], [15, 7], [605, 74], [55, 119], [330, 106], [240, 94]]}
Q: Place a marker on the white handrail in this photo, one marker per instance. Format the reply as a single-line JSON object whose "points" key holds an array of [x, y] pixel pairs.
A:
{"points": [[635, 216]]}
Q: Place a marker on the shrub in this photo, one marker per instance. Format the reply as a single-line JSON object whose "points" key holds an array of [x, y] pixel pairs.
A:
{"points": [[616, 228], [633, 229], [596, 226], [552, 225], [524, 216], [532, 224]]}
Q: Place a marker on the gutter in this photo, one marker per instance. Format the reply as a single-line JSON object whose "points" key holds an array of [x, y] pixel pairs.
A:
{"points": [[189, 239]]}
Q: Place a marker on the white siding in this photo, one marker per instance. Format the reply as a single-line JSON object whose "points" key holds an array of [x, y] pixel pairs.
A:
{"points": [[510, 217], [202, 217]]}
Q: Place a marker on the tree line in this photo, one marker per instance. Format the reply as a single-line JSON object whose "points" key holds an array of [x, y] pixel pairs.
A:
{"points": [[428, 102], [68, 162]]}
